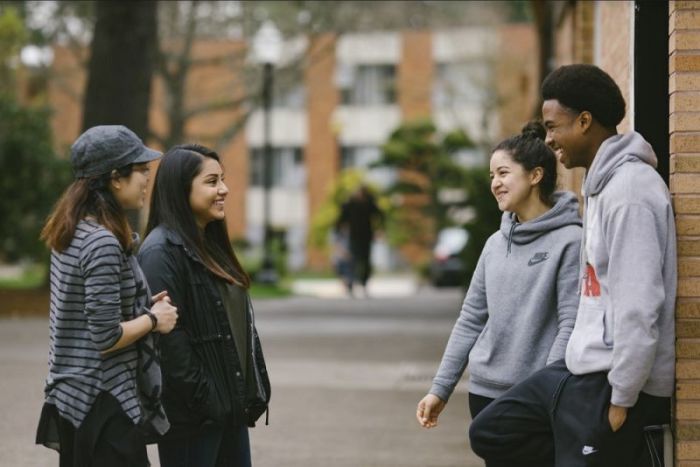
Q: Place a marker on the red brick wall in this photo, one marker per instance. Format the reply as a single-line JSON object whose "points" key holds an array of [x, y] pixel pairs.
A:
{"points": [[684, 86]]}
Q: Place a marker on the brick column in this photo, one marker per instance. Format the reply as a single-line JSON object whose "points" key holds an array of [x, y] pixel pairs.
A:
{"points": [[415, 75], [414, 83], [322, 153], [684, 87]]}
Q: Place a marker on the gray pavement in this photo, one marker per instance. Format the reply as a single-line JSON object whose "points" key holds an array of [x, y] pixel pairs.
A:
{"points": [[346, 376]]}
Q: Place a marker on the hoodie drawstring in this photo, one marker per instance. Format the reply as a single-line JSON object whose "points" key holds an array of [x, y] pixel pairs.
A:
{"points": [[510, 237]]}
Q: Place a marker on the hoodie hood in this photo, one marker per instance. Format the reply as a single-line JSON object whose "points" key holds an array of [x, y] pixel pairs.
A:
{"points": [[615, 151], [563, 213]]}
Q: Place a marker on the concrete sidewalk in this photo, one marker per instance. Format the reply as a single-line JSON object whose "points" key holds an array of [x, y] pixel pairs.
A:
{"points": [[383, 286], [346, 377]]}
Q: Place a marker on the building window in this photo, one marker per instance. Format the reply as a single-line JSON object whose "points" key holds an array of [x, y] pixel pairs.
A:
{"points": [[362, 157], [287, 169], [359, 156], [288, 91], [463, 83], [367, 84], [293, 98]]}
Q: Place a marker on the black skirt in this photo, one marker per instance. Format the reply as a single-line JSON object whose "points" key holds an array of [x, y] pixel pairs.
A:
{"points": [[106, 438]]}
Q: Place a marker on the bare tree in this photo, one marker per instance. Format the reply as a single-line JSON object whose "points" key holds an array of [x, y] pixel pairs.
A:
{"points": [[182, 24]]}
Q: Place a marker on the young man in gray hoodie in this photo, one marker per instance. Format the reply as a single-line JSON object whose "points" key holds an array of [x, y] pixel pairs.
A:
{"points": [[618, 375]]}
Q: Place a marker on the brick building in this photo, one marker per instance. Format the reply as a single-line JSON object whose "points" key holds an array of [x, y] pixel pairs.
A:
{"points": [[652, 50], [354, 90]]}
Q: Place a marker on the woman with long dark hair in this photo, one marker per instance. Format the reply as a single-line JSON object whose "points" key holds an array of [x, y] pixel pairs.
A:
{"points": [[103, 387], [215, 384], [521, 304]]}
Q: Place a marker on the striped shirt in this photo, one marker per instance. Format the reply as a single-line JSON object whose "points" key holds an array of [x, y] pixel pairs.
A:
{"points": [[93, 289]]}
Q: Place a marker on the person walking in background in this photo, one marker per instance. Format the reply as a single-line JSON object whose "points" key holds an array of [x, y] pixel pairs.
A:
{"points": [[103, 387], [521, 304], [618, 376], [342, 259], [215, 383], [360, 216]]}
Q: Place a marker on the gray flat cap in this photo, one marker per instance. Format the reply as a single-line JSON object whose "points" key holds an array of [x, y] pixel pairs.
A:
{"points": [[101, 149]]}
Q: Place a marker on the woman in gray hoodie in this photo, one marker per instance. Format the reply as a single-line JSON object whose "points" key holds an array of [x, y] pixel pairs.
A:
{"points": [[521, 304]]}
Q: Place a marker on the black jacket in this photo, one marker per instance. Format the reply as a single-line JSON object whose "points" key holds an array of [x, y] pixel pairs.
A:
{"points": [[202, 378]]}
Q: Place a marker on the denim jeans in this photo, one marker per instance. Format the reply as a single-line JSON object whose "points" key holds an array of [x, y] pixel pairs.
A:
{"points": [[214, 446]]}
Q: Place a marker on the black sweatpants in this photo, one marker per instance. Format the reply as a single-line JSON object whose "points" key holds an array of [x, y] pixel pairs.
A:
{"points": [[554, 418]]}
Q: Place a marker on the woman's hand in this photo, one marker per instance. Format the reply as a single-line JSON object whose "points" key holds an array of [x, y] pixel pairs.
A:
{"points": [[164, 312], [135, 329], [429, 409]]}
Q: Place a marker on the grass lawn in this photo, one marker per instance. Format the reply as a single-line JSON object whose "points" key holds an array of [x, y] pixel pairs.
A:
{"points": [[307, 274], [258, 291], [23, 295], [31, 278]]}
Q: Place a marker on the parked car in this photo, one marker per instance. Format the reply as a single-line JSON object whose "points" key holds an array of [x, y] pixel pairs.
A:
{"points": [[447, 267]]}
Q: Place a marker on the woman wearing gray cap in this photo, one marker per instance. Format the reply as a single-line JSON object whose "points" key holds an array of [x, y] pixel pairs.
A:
{"points": [[102, 394]]}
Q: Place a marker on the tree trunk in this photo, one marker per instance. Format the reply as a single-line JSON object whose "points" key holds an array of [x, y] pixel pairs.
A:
{"points": [[121, 69], [121, 65]]}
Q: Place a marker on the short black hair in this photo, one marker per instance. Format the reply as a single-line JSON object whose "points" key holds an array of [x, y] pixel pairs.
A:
{"points": [[586, 88]]}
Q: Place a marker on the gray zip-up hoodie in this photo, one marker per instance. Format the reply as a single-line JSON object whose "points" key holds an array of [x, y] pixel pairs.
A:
{"points": [[521, 304], [625, 321]]}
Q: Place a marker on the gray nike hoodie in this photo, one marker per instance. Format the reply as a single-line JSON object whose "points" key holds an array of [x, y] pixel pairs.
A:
{"points": [[625, 322], [521, 304]]}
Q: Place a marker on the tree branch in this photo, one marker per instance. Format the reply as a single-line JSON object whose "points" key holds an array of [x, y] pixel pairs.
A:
{"points": [[213, 106]]}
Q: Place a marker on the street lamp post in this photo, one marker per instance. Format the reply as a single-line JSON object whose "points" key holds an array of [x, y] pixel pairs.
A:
{"points": [[267, 49]]}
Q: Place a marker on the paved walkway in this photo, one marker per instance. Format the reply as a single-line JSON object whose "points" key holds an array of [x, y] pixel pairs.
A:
{"points": [[346, 377], [383, 286]]}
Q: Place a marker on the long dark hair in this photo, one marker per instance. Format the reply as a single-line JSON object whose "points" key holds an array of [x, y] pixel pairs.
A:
{"points": [[170, 206], [84, 197], [529, 150]]}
